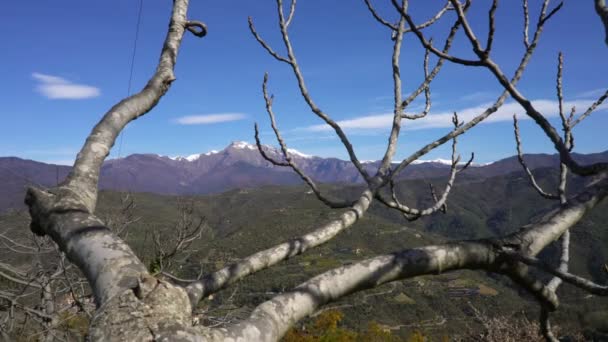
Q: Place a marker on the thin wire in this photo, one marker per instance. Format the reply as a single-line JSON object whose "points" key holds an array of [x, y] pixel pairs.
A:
{"points": [[122, 133], [141, 5]]}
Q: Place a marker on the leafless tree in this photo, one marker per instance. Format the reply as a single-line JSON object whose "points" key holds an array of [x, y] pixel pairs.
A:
{"points": [[43, 290], [133, 305], [46, 296], [176, 241]]}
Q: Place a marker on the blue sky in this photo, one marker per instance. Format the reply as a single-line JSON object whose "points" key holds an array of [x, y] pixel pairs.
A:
{"points": [[64, 63]]}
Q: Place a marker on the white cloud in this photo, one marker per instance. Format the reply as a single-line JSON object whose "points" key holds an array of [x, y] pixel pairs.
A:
{"points": [[595, 93], [54, 87], [208, 119], [548, 108]]}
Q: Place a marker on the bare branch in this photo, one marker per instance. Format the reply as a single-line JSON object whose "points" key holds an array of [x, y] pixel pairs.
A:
{"points": [[281, 311], [551, 13], [585, 284], [17, 280], [526, 24], [393, 27], [602, 10], [187, 229], [288, 160], [378, 17], [425, 86], [292, 11], [559, 92], [444, 207], [292, 61], [434, 19], [400, 106], [414, 28], [265, 45], [491, 26], [516, 77], [308, 99], [520, 157], [24, 307], [20, 248], [591, 108], [214, 282], [126, 292], [258, 143], [83, 177], [547, 298], [548, 129], [412, 214], [65, 213], [540, 120], [391, 148], [427, 93], [545, 325]]}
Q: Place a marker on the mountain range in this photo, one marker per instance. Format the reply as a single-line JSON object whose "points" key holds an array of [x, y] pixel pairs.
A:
{"points": [[236, 166]]}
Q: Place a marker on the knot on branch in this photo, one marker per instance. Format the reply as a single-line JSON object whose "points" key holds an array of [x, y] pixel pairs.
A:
{"points": [[153, 310], [145, 285], [36, 200], [197, 28], [43, 203]]}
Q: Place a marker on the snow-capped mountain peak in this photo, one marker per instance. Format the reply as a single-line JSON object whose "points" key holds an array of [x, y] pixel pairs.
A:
{"points": [[193, 157], [242, 145], [211, 152], [436, 161], [298, 153], [189, 158]]}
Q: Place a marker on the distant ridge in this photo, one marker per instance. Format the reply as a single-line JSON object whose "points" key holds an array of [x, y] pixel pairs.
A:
{"points": [[238, 165]]}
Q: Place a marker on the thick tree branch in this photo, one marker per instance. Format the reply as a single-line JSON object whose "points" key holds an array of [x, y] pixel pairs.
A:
{"points": [[66, 213], [84, 176], [214, 282], [271, 319]]}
